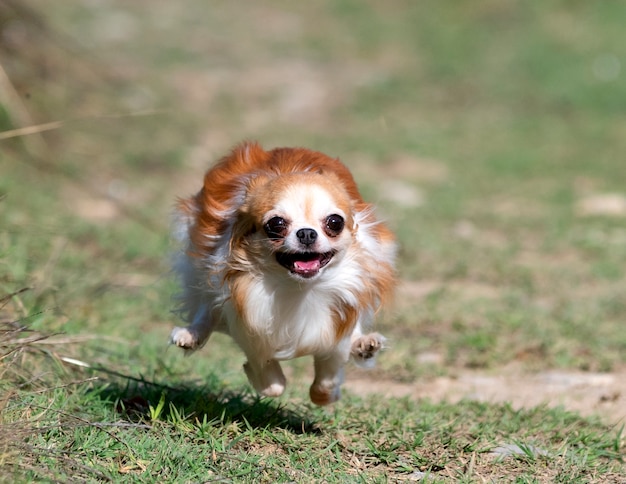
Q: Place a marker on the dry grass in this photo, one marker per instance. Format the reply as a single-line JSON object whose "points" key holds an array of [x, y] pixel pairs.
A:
{"points": [[30, 365]]}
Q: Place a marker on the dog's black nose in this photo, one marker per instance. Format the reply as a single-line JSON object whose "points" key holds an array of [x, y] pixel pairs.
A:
{"points": [[306, 236]]}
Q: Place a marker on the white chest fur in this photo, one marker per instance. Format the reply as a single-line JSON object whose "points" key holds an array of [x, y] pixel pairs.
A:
{"points": [[286, 321]]}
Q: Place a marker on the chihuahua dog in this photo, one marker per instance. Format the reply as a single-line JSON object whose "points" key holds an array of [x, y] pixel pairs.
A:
{"points": [[280, 252]]}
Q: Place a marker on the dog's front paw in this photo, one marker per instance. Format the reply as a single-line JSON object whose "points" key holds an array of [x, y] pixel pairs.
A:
{"points": [[365, 348], [184, 338]]}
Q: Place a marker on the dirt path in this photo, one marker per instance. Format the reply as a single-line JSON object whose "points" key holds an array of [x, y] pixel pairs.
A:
{"points": [[602, 394]]}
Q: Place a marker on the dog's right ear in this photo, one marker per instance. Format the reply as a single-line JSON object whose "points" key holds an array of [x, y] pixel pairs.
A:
{"points": [[248, 215]]}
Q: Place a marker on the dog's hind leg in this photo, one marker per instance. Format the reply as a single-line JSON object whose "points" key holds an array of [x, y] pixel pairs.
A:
{"points": [[326, 387], [266, 377]]}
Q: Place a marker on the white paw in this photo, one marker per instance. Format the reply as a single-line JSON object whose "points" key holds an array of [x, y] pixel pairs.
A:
{"points": [[274, 390], [184, 338], [365, 348], [268, 380]]}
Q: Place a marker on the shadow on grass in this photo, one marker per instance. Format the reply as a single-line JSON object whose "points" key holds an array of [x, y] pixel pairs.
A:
{"points": [[137, 399]]}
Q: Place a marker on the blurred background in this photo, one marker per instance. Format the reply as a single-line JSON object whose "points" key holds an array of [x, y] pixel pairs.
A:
{"points": [[490, 134]]}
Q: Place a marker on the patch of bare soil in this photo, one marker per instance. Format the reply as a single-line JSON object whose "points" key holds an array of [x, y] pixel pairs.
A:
{"points": [[601, 394]]}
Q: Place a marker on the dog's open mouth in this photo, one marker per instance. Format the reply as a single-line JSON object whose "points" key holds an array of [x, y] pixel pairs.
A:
{"points": [[304, 264]]}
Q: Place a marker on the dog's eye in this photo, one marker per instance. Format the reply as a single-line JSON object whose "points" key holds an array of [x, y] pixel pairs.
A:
{"points": [[334, 225], [276, 227]]}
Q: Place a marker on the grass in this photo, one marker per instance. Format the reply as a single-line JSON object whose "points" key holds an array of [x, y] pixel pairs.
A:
{"points": [[114, 426], [480, 131]]}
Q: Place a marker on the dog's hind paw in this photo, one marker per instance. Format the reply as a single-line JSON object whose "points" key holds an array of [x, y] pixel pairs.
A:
{"points": [[365, 348], [268, 379], [324, 393]]}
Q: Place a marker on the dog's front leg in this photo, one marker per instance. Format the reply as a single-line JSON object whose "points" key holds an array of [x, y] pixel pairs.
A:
{"points": [[365, 347], [326, 387], [195, 335]]}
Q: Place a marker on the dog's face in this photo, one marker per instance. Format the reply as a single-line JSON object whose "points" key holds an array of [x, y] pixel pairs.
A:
{"points": [[298, 223]]}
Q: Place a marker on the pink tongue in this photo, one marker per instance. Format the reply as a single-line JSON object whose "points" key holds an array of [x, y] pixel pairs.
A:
{"points": [[307, 265]]}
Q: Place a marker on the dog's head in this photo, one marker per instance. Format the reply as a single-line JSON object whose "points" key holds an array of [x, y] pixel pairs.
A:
{"points": [[296, 223]]}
